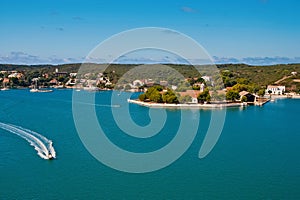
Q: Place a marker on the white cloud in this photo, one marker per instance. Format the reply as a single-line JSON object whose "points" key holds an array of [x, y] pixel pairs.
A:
{"points": [[258, 60], [24, 58], [219, 60]]}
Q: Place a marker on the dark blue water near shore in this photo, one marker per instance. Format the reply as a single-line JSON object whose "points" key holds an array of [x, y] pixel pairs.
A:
{"points": [[256, 157]]}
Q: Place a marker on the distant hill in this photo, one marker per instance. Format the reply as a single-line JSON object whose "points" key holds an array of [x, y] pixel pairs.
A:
{"points": [[261, 75]]}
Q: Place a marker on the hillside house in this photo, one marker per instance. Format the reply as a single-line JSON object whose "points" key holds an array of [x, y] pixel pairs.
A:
{"points": [[275, 89], [192, 93]]}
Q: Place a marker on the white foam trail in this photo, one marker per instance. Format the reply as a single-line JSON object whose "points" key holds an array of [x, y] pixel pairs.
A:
{"points": [[41, 144], [48, 143], [98, 105], [51, 149]]}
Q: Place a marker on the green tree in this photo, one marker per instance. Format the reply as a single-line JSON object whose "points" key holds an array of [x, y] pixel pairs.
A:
{"points": [[244, 99], [155, 96], [232, 95], [286, 72], [204, 96], [158, 88], [61, 79], [270, 92], [142, 97], [261, 92], [15, 81], [101, 85], [240, 87], [196, 87], [200, 80], [22, 83], [169, 97], [242, 81], [110, 86], [229, 82]]}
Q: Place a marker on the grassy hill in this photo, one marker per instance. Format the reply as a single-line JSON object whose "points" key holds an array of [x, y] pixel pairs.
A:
{"points": [[260, 75]]}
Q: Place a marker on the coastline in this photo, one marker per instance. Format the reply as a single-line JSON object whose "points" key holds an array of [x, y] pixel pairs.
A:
{"points": [[294, 96], [150, 104], [187, 106]]}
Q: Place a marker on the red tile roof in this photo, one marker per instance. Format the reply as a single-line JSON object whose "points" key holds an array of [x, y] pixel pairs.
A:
{"points": [[192, 93]]}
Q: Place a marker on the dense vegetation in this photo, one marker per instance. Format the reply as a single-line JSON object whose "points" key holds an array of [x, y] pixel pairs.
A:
{"points": [[256, 77], [204, 96], [157, 95], [261, 75]]}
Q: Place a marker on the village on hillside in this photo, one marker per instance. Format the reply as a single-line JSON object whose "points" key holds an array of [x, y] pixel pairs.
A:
{"points": [[196, 90]]}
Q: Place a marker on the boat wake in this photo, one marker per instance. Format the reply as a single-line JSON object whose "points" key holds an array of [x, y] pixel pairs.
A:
{"points": [[41, 144]]}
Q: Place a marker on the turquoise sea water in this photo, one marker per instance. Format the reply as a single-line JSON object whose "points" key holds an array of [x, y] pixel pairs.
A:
{"points": [[256, 157]]}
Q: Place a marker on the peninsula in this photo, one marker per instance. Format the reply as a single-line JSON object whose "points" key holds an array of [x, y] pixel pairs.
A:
{"points": [[231, 84]]}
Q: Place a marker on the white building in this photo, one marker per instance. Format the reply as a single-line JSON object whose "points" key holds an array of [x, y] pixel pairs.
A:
{"points": [[206, 78], [15, 75], [163, 83], [138, 83], [202, 86], [275, 89], [174, 87]]}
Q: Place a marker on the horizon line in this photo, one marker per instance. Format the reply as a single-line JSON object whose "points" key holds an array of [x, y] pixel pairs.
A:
{"points": [[185, 64]]}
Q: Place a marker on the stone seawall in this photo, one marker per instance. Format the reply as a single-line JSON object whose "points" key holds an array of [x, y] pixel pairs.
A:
{"points": [[186, 106]]}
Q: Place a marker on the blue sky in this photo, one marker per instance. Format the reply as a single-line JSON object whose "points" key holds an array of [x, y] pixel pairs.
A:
{"points": [[58, 31]]}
